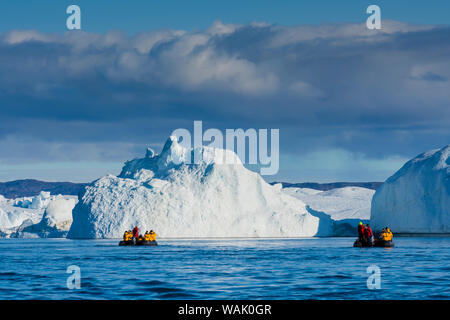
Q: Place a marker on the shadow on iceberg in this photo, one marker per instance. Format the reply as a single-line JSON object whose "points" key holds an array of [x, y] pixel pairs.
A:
{"points": [[334, 228]]}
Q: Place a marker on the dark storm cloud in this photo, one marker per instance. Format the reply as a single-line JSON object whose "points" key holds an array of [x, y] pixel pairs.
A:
{"points": [[330, 87]]}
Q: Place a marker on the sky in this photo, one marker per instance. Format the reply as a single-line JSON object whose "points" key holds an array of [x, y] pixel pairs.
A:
{"points": [[140, 15], [351, 104]]}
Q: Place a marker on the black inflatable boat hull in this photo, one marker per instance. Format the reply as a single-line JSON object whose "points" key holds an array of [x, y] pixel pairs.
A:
{"points": [[378, 243], [139, 243], [384, 244]]}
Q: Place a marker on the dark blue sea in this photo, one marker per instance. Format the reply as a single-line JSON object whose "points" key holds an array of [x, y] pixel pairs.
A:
{"points": [[319, 268]]}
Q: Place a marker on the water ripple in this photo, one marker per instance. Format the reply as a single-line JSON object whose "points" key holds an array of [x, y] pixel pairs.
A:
{"points": [[224, 269]]}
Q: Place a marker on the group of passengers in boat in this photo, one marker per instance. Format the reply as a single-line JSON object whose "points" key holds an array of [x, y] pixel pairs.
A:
{"points": [[129, 235], [365, 234]]}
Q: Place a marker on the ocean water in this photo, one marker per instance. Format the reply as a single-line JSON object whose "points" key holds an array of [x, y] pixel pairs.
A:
{"points": [[323, 268]]}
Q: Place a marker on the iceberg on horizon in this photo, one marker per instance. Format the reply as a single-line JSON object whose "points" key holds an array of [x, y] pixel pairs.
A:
{"points": [[42, 215], [179, 199]]}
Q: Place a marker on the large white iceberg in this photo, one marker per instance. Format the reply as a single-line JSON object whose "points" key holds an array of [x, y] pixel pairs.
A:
{"points": [[416, 199], [177, 199]]}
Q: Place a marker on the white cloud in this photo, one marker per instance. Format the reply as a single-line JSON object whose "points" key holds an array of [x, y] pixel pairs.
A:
{"points": [[342, 31], [305, 89], [219, 28], [322, 80], [19, 36]]}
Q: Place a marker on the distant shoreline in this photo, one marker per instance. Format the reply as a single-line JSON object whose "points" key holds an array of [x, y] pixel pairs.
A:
{"points": [[31, 187], [330, 185]]}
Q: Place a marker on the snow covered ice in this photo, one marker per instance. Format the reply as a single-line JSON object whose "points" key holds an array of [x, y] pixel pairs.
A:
{"points": [[40, 201], [56, 220], [416, 199], [39, 216], [177, 199]]}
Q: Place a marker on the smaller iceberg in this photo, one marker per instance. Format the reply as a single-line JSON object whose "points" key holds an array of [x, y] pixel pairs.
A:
{"points": [[416, 199], [55, 222], [43, 215]]}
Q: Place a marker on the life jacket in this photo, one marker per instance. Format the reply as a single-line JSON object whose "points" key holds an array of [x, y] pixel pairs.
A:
{"points": [[386, 235], [147, 237], [390, 235], [361, 229], [152, 236], [368, 232]]}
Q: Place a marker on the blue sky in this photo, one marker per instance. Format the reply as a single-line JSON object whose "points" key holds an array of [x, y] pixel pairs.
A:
{"points": [[351, 104], [138, 15]]}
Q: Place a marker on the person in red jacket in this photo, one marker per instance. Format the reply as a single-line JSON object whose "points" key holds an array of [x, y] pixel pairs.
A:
{"points": [[368, 234], [361, 229], [136, 232]]}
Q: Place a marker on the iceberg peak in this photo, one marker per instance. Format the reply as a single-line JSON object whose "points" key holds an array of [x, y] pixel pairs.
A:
{"points": [[174, 155]]}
